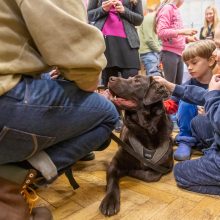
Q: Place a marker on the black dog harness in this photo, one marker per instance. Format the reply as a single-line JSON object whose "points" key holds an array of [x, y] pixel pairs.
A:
{"points": [[148, 157]]}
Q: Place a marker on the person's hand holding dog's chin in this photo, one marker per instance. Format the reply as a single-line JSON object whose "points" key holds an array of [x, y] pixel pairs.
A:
{"points": [[169, 86]]}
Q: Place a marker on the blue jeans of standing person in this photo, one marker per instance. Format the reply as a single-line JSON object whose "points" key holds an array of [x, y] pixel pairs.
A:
{"points": [[201, 175], [186, 112], [150, 61], [54, 116]]}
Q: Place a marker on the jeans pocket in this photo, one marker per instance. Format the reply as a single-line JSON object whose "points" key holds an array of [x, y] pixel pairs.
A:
{"points": [[16, 145]]}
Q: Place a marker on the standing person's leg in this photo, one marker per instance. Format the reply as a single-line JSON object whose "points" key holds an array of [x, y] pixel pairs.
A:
{"points": [[180, 69], [107, 73], [126, 73], [170, 64], [201, 175], [41, 114], [150, 61], [186, 112]]}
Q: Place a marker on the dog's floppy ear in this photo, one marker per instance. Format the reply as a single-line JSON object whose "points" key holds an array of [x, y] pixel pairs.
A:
{"points": [[155, 93]]}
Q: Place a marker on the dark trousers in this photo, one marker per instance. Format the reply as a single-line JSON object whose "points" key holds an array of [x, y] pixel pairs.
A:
{"points": [[172, 67], [116, 71]]}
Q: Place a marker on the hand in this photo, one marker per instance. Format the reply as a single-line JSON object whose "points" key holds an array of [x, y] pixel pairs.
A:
{"points": [[119, 7], [54, 73], [215, 83], [106, 5], [190, 39], [188, 32], [170, 86], [201, 110], [106, 94]]}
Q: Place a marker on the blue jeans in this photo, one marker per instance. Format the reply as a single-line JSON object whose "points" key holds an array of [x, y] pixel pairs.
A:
{"points": [[201, 175], [186, 112], [203, 131], [55, 116], [150, 61]]}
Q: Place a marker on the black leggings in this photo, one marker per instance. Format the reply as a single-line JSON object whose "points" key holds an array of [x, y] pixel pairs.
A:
{"points": [[116, 71]]}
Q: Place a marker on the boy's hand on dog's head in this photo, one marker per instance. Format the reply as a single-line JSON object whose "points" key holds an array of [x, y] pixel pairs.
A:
{"points": [[215, 83], [169, 86]]}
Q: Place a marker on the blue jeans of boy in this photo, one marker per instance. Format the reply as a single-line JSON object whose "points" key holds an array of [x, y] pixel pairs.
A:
{"points": [[201, 175], [150, 61], [186, 112], [54, 116]]}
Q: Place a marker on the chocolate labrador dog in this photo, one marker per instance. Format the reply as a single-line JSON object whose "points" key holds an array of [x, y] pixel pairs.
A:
{"points": [[146, 132]]}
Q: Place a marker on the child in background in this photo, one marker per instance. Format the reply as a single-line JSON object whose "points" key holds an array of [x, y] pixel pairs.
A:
{"points": [[210, 22], [199, 61], [202, 175], [149, 42], [169, 27]]}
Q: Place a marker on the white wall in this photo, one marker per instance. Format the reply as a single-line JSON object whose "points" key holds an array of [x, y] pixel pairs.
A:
{"points": [[193, 12]]}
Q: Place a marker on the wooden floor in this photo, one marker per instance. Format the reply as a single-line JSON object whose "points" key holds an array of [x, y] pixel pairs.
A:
{"points": [[139, 200]]}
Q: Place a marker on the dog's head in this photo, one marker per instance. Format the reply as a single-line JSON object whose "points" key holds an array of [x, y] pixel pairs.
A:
{"points": [[133, 93]]}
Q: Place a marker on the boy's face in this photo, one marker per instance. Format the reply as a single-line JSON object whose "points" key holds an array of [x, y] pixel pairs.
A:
{"points": [[216, 53], [198, 67]]}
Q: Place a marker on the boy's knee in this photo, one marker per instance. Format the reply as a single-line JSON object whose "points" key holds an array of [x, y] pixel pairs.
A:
{"points": [[196, 125], [195, 122], [187, 108], [179, 176], [185, 104]]}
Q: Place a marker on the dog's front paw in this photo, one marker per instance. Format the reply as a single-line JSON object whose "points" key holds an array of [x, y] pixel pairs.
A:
{"points": [[110, 205]]}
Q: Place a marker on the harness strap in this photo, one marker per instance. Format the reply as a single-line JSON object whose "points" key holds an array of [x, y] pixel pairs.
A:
{"points": [[153, 155], [146, 162]]}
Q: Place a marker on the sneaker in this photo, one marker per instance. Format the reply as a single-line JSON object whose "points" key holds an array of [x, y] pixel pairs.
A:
{"points": [[183, 152]]}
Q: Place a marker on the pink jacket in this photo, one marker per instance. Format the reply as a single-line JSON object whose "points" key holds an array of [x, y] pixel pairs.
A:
{"points": [[168, 22]]}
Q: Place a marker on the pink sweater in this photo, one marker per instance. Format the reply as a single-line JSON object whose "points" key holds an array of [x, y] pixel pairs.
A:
{"points": [[168, 22], [113, 25]]}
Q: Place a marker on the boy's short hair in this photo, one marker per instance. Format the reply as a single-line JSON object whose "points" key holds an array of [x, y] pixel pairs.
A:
{"points": [[202, 48]]}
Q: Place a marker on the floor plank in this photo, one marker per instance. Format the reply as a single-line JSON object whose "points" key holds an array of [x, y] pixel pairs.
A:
{"points": [[161, 200]]}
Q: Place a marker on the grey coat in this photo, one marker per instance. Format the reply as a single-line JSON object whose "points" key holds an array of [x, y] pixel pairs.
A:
{"points": [[133, 16]]}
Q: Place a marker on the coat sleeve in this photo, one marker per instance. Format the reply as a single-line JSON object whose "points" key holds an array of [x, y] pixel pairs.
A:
{"points": [[212, 107], [64, 39], [190, 93], [95, 11], [163, 21], [134, 16]]}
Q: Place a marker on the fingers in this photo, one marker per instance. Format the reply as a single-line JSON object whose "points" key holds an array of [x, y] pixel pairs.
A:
{"points": [[158, 78]]}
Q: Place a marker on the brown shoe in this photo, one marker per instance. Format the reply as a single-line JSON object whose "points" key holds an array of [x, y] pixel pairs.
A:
{"points": [[16, 197], [41, 213]]}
